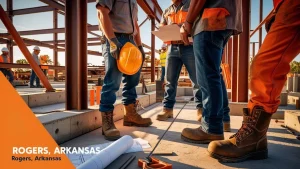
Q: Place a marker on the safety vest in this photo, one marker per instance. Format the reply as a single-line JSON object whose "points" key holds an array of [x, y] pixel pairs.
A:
{"points": [[2, 59], [163, 57], [178, 17], [220, 15]]}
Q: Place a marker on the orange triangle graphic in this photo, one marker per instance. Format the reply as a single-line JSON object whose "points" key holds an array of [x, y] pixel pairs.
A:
{"points": [[20, 128]]}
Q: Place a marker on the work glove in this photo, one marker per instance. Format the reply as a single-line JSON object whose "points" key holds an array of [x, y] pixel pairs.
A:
{"points": [[142, 51], [115, 48]]}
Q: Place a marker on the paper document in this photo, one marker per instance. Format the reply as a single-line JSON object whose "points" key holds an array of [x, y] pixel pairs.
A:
{"points": [[138, 145], [169, 33]]}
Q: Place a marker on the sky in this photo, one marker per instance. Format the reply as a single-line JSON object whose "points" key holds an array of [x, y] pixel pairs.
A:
{"points": [[44, 21]]}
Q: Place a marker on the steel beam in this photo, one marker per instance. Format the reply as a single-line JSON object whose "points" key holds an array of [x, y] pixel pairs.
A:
{"points": [[46, 31], [54, 4], [32, 10], [151, 8], [55, 53], [152, 49], [63, 41], [261, 10], [12, 30], [10, 46], [234, 68], [243, 64], [76, 54]]}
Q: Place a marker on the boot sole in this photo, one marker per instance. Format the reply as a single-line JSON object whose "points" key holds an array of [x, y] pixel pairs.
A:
{"points": [[164, 119], [135, 124], [196, 141], [259, 155], [110, 138]]}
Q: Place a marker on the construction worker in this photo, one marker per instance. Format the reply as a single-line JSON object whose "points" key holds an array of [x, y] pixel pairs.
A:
{"points": [[214, 22], [33, 76], [268, 75], [178, 55], [118, 22], [163, 56], [4, 58]]}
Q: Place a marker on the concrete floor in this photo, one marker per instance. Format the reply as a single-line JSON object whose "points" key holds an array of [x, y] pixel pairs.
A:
{"points": [[284, 148]]}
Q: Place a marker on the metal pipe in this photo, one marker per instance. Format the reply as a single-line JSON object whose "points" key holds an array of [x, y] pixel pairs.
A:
{"points": [[12, 30], [152, 49], [76, 54], [261, 10], [243, 64], [235, 57], [55, 53]]}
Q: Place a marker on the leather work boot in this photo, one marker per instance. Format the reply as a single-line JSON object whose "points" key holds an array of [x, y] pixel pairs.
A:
{"points": [[250, 142], [198, 136], [199, 114], [109, 129], [226, 126], [132, 118], [165, 114]]}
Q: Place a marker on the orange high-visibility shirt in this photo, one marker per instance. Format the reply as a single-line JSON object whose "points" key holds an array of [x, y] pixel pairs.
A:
{"points": [[277, 3]]}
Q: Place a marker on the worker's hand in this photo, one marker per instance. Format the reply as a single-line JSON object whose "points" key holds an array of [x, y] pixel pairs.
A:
{"points": [[143, 53], [115, 48], [184, 35]]}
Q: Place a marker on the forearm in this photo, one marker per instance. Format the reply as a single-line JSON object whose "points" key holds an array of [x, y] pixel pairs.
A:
{"points": [[137, 37], [195, 7], [105, 22]]}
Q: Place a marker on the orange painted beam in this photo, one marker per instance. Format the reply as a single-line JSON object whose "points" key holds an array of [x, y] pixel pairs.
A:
{"points": [[19, 41]]}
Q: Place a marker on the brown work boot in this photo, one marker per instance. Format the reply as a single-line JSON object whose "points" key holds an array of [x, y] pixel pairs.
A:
{"points": [[199, 114], [109, 129], [132, 118], [165, 114], [199, 136], [250, 142], [226, 126]]}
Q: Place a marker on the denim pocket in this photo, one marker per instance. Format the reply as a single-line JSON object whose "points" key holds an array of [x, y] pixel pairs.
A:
{"points": [[220, 38]]}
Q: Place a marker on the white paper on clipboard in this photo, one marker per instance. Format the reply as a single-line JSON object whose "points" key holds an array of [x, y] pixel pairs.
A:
{"points": [[169, 33]]}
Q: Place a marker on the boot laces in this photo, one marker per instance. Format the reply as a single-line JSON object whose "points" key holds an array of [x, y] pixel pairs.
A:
{"points": [[109, 120], [247, 128], [138, 105]]}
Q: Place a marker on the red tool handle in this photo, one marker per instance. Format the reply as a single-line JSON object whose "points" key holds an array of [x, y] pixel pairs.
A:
{"points": [[155, 164]]}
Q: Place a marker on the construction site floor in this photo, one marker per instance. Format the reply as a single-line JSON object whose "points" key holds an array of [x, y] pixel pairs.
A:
{"points": [[284, 148]]}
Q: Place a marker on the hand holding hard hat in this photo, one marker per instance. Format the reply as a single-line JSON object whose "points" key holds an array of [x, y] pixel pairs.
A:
{"points": [[130, 59], [115, 47]]}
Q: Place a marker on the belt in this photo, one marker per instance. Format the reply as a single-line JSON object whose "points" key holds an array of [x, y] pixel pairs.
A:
{"points": [[125, 35], [179, 42]]}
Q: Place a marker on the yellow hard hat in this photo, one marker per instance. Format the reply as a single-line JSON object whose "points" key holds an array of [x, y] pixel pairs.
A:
{"points": [[130, 60]]}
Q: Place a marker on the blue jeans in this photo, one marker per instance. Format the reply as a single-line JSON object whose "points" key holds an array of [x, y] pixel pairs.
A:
{"points": [[208, 49], [8, 73], [33, 77], [163, 72], [112, 79], [179, 55]]}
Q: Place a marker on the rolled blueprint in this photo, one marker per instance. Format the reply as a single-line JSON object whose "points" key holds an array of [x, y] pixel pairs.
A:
{"points": [[109, 154]]}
